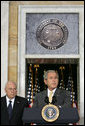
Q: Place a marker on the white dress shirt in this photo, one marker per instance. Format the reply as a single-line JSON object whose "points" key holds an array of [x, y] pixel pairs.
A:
{"points": [[53, 92], [7, 101]]}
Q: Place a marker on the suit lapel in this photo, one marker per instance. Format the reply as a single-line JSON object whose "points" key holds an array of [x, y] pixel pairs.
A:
{"points": [[5, 106], [46, 93], [57, 93], [4, 102]]}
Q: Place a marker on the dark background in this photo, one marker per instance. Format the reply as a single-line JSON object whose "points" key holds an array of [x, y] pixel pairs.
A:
{"points": [[72, 70]]}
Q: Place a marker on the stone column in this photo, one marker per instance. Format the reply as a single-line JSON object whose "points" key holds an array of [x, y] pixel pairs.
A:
{"points": [[4, 43]]}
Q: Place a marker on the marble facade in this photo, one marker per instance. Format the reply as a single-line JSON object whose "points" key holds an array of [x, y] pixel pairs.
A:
{"points": [[4, 44], [13, 41]]}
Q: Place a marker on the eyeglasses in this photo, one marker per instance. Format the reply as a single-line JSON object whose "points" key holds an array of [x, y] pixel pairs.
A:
{"points": [[12, 89]]}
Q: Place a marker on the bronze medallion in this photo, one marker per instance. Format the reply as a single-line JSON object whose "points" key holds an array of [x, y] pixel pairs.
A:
{"points": [[52, 34]]}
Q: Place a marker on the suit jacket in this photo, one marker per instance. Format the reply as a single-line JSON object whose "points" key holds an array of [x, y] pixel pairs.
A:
{"points": [[19, 105], [62, 98]]}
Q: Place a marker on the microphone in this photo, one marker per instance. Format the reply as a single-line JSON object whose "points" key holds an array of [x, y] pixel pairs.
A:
{"points": [[54, 99], [46, 100]]}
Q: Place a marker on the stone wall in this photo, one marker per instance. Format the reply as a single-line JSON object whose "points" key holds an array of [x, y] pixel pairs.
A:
{"points": [[13, 31]]}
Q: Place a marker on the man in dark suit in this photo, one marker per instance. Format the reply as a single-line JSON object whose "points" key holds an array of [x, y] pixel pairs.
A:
{"points": [[59, 97], [12, 106]]}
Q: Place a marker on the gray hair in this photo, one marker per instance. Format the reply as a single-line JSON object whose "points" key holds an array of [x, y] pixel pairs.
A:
{"points": [[11, 82], [50, 71]]}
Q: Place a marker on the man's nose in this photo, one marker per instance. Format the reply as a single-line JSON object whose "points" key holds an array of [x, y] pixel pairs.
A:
{"points": [[12, 90], [54, 79]]}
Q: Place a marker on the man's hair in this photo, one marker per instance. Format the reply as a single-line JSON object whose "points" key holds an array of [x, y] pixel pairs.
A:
{"points": [[50, 71], [10, 82]]}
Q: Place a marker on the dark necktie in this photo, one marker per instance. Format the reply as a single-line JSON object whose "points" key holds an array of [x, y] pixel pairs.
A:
{"points": [[10, 109]]}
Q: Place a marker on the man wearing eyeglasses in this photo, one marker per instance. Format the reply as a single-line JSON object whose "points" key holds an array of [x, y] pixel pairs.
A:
{"points": [[12, 106]]}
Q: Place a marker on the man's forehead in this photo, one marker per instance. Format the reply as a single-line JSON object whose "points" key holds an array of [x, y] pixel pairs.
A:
{"points": [[10, 84]]}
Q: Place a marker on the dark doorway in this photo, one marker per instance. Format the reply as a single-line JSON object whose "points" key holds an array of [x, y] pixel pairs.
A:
{"points": [[36, 80]]}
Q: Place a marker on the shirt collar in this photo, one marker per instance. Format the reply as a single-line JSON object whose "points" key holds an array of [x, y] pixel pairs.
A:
{"points": [[8, 99], [52, 90]]}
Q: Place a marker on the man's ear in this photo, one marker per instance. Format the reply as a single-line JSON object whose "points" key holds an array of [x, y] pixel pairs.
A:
{"points": [[16, 92], [45, 81]]}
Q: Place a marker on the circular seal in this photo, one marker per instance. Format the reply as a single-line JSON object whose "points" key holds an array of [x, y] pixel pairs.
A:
{"points": [[52, 34], [50, 113]]}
